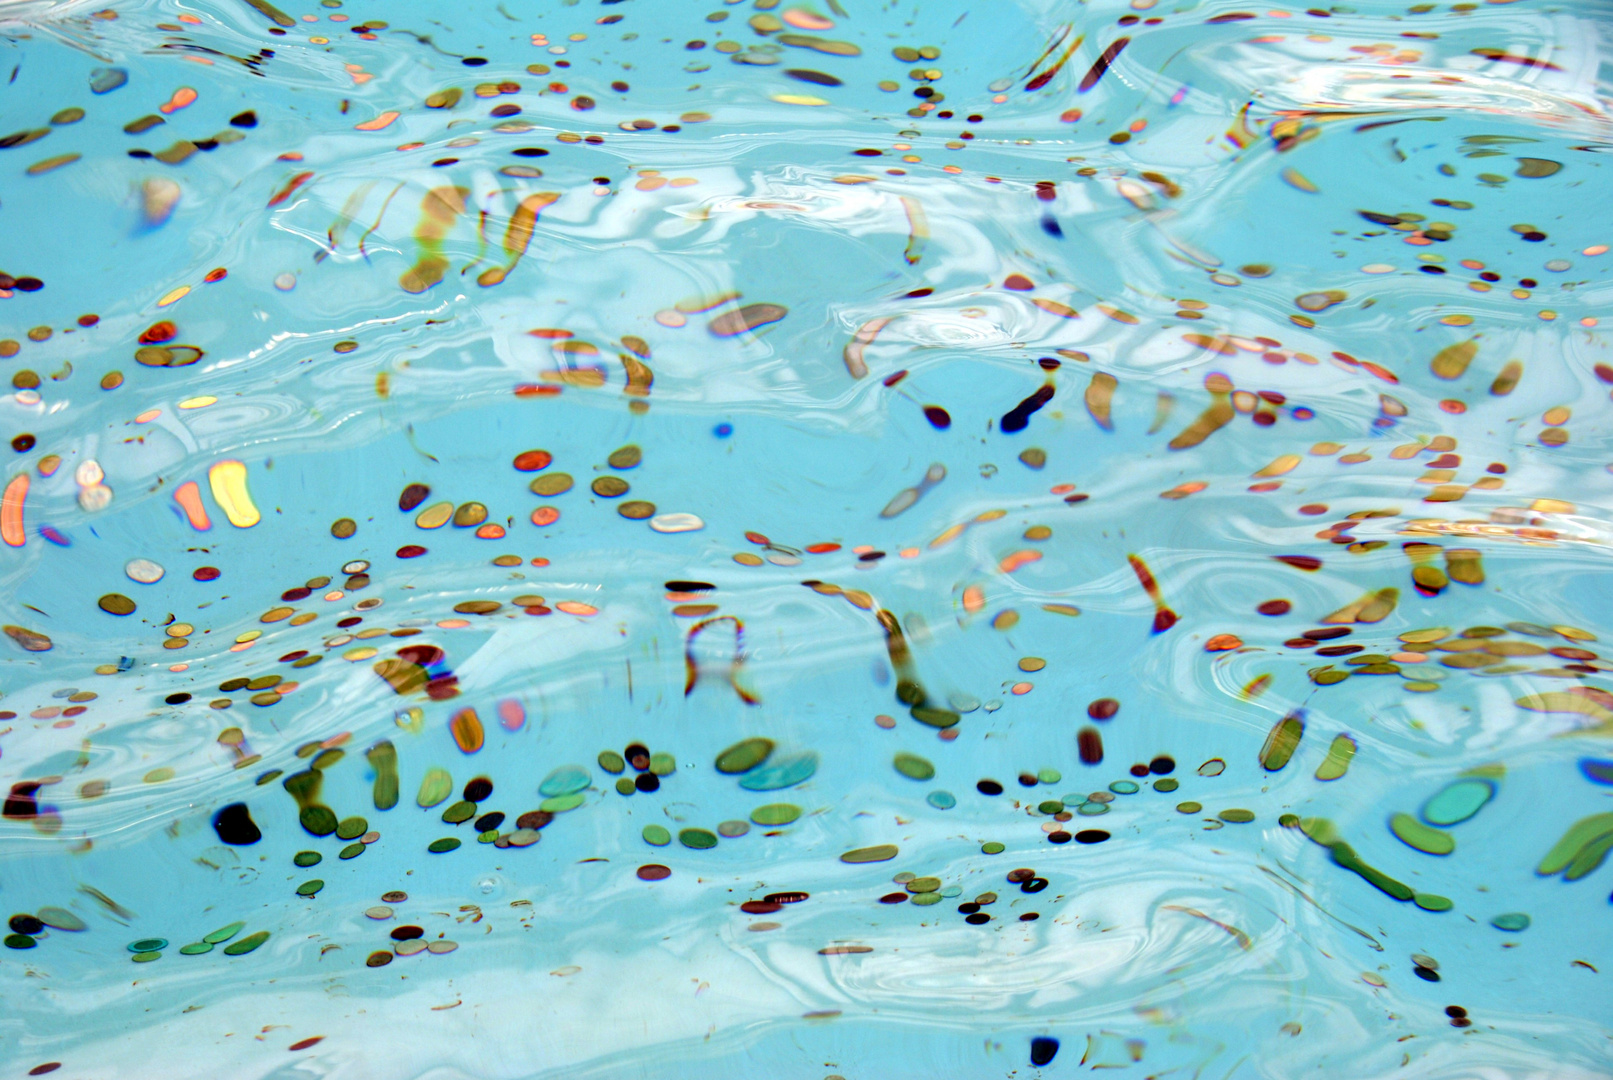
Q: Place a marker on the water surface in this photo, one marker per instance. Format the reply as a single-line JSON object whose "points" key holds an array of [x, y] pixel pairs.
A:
{"points": [[1139, 468]]}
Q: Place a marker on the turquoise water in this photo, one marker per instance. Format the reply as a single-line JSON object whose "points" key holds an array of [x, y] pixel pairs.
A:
{"points": [[1089, 521]]}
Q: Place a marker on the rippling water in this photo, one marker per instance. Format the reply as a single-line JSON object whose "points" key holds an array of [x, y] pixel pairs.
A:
{"points": [[1087, 520]]}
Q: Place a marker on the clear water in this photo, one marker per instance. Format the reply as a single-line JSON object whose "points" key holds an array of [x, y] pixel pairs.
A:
{"points": [[1317, 285]]}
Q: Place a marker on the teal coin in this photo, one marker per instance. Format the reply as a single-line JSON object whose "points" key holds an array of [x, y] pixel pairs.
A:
{"points": [[783, 772], [1124, 787], [1092, 809], [438, 847], [941, 800], [148, 944], [1512, 922], [564, 781], [1458, 801]]}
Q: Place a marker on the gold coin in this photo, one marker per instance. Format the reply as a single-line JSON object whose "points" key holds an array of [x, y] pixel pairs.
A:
{"points": [[550, 484]]}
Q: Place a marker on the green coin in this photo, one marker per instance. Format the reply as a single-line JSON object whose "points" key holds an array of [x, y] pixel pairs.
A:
{"points": [[487, 836], [307, 858], [60, 919], [700, 839], [624, 786], [663, 764], [924, 885], [246, 944], [436, 786], [1413, 833], [1329, 677], [224, 933], [913, 767], [938, 718], [1430, 902], [611, 762], [145, 957], [925, 899], [561, 803], [310, 887], [459, 812], [447, 843], [744, 756], [196, 948], [1512, 922], [352, 828], [1049, 806], [991, 847], [352, 851], [877, 853], [319, 820], [1237, 817], [609, 487], [657, 835], [20, 941], [775, 814], [148, 944], [1189, 807], [1048, 776], [1166, 785]]}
